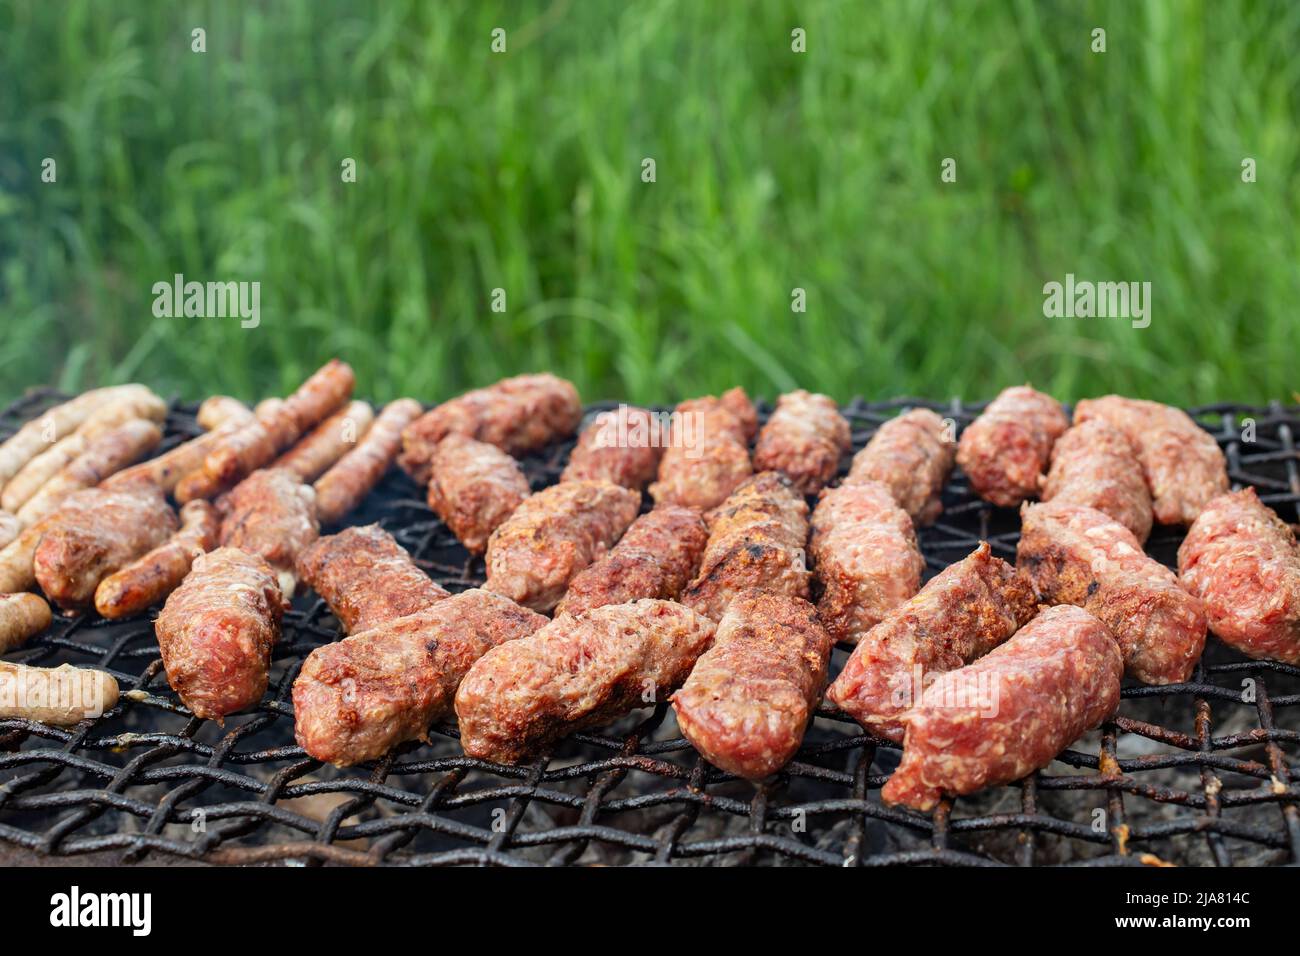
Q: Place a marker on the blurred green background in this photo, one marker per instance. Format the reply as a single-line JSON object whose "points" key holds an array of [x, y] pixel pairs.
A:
{"points": [[775, 170]]}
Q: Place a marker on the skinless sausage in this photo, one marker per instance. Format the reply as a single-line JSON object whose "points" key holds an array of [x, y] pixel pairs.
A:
{"points": [[1011, 712], [655, 558], [757, 539], [911, 455], [803, 439], [105, 531], [272, 514], [749, 699], [518, 415], [358, 698], [960, 615], [550, 537], [708, 451], [865, 556], [1094, 464], [473, 487], [1241, 560], [1077, 555], [1183, 464], [367, 578], [216, 632], [578, 671], [623, 446], [1006, 449]]}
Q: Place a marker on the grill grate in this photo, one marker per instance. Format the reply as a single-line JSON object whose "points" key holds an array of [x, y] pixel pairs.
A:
{"points": [[1158, 783]]}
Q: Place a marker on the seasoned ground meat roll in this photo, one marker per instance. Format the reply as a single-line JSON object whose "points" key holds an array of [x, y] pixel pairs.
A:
{"points": [[708, 452], [578, 671], [656, 558], [104, 531], [1005, 450], [553, 535], [149, 579], [1183, 464], [367, 578], [623, 446], [804, 440], [757, 539], [216, 632], [1094, 465], [518, 415], [357, 699], [749, 699], [911, 455], [473, 487], [1011, 712], [1077, 555], [960, 615], [865, 556], [273, 514], [1241, 559]]}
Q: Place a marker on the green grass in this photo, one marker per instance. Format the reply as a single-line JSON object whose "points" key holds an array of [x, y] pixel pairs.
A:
{"points": [[775, 170]]}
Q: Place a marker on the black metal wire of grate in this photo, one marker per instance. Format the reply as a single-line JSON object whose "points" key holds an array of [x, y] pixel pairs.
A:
{"points": [[1198, 773]]}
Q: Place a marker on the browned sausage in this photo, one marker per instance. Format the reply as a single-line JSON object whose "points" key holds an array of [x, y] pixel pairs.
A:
{"points": [[804, 440], [148, 580], [578, 671], [750, 697], [866, 556], [105, 455], [911, 455], [1095, 465], [1183, 464], [342, 488], [757, 539], [1077, 555], [707, 456], [1011, 712], [473, 487], [274, 429], [216, 632], [1006, 449], [518, 415], [534, 554], [81, 547], [329, 441], [655, 558], [358, 698], [960, 615], [272, 514], [622, 445], [367, 578]]}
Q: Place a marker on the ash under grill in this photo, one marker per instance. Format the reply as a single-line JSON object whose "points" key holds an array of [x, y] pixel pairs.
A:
{"points": [[1198, 773]]}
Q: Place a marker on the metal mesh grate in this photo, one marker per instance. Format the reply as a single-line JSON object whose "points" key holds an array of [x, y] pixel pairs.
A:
{"points": [[1194, 773]]}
